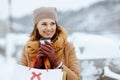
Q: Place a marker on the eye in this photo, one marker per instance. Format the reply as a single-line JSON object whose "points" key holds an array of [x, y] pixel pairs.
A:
{"points": [[53, 23], [44, 24]]}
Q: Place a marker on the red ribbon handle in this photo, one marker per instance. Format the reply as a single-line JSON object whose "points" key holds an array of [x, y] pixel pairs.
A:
{"points": [[46, 66]]}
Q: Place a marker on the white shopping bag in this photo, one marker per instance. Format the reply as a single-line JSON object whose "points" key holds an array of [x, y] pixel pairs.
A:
{"points": [[25, 73]]}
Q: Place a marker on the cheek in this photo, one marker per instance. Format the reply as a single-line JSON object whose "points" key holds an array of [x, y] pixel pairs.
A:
{"points": [[40, 30], [54, 28]]}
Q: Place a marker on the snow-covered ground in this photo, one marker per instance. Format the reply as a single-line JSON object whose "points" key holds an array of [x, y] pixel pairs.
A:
{"points": [[88, 47], [94, 52]]}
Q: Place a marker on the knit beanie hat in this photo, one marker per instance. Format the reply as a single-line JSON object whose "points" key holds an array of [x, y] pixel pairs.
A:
{"points": [[44, 12]]}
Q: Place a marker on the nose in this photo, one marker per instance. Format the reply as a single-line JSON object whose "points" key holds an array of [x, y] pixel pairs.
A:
{"points": [[48, 27]]}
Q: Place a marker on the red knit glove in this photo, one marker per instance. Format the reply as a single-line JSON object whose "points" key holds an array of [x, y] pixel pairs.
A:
{"points": [[49, 51]]}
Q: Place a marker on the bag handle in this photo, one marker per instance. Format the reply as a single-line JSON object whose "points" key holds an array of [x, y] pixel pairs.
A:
{"points": [[45, 63]]}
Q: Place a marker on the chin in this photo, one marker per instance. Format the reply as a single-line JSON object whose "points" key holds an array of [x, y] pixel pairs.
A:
{"points": [[48, 37]]}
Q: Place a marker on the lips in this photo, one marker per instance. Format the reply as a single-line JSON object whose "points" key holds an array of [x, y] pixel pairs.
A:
{"points": [[48, 33]]}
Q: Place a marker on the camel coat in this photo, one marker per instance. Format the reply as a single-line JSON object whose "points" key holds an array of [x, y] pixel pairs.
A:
{"points": [[65, 51]]}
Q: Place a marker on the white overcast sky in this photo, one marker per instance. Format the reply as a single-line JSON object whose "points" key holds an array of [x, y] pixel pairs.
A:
{"points": [[23, 7]]}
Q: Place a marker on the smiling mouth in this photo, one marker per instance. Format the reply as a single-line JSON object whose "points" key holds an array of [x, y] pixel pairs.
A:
{"points": [[48, 33]]}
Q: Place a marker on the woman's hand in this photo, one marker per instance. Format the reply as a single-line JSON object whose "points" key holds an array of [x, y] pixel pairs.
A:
{"points": [[39, 62], [48, 50]]}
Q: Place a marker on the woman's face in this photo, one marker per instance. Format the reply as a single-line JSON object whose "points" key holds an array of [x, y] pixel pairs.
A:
{"points": [[46, 28]]}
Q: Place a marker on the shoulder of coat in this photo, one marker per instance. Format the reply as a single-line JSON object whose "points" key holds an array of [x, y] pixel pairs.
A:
{"points": [[69, 45]]}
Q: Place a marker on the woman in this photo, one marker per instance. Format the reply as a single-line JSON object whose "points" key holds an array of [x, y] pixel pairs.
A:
{"points": [[59, 53]]}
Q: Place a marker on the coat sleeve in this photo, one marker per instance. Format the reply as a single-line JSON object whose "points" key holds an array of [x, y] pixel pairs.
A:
{"points": [[72, 68], [23, 59]]}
